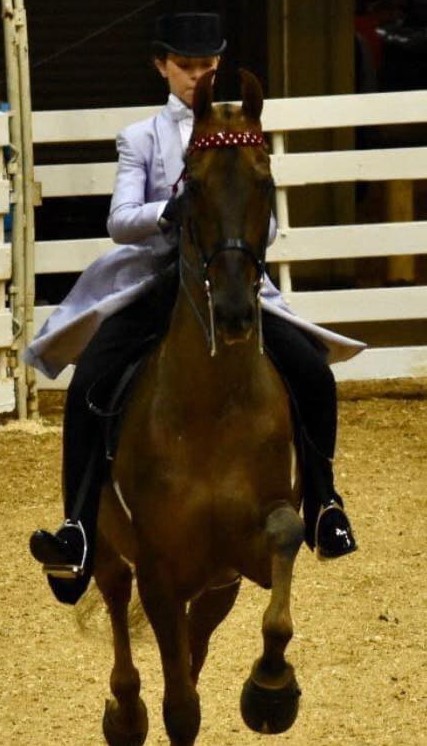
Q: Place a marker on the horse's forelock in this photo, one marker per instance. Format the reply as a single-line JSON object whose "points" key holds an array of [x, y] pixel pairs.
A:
{"points": [[225, 117]]}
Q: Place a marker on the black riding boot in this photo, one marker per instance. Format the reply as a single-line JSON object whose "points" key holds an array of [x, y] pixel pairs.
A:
{"points": [[68, 555], [301, 362], [123, 342], [327, 527]]}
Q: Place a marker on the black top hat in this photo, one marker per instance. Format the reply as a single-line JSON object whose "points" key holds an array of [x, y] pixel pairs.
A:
{"points": [[189, 34]]}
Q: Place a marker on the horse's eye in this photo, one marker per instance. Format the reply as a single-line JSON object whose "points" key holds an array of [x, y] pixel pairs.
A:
{"points": [[267, 185], [192, 187]]}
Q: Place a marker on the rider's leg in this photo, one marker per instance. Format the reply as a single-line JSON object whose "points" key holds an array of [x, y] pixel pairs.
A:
{"points": [[301, 360], [121, 339]]}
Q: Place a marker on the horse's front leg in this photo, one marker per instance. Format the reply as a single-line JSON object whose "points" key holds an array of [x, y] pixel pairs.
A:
{"points": [[206, 612], [270, 697], [167, 614], [125, 720]]}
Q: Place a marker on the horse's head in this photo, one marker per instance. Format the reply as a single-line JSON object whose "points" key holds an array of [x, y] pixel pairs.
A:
{"points": [[227, 206]]}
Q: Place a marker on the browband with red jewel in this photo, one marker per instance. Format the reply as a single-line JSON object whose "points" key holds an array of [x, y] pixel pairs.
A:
{"points": [[225, 140]]}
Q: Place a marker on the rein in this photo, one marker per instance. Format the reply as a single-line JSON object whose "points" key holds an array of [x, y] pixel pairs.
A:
{"points": [[210, 333], [216, 140]]}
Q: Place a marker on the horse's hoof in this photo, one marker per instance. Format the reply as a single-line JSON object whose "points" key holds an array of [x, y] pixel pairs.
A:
{"points": [[114, 726], [269, 710]]}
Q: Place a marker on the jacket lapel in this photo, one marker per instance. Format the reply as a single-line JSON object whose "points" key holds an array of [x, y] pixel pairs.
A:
{"points": [[170, 146]]}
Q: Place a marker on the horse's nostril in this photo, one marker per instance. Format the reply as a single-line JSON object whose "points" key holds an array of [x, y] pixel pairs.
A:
{"points": [[232, 311], [234, 319]]}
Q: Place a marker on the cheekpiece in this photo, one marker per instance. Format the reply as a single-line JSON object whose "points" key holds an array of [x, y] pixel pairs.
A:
{"points": [[225, 140]]}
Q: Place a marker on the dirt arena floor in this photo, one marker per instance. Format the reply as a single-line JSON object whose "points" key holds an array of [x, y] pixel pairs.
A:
{"points": [[359, 644]]}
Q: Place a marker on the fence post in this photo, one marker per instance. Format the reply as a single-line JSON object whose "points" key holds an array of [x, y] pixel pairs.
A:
{"points": [[29, 199], [400, 207], [21, 171], [282, 217], [15, 170]]}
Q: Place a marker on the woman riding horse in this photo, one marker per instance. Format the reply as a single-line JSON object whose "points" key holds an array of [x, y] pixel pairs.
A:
{"points": [[206, 465], [121, 305]]}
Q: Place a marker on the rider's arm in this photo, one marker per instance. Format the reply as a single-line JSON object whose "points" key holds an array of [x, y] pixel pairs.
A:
{"points": [[132, 219]]}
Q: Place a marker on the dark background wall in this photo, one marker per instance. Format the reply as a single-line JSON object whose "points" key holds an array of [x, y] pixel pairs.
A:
{"points": [[97, 53]]}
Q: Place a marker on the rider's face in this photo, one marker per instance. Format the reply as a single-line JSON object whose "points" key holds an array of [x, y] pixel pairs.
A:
{"points": [[182, 73]]}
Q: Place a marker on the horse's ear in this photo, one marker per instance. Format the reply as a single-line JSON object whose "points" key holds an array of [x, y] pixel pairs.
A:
{"points": [[203, 96], [252, 95]]}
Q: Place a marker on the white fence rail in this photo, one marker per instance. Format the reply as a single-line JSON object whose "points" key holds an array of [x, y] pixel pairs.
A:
{"points": [[293, 244]]}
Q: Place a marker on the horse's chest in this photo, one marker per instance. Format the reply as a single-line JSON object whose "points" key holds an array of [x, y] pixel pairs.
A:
{"points": [[226, 449]]}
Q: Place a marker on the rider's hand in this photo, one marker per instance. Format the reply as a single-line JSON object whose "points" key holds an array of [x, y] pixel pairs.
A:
{"points": [[169, 221]]}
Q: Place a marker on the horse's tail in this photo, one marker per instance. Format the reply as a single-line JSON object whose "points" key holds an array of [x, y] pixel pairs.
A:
{"points": [[92, 619]]}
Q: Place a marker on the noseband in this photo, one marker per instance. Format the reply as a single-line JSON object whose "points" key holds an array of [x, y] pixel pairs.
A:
{"points": [[207, 142]]}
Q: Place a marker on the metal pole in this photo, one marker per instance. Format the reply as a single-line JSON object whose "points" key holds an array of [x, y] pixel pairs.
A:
{"points": [[29, 193], [15, 169]]}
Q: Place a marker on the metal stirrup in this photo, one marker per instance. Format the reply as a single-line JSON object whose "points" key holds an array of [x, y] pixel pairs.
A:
{"points": [[70, 572]]}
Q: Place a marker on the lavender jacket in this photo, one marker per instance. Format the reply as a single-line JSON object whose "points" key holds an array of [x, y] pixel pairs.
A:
{"points": [[150, 162]]}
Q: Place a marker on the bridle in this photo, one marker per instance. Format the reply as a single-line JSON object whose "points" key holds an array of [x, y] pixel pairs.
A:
{"points": [[228, 245], [206, 142]]}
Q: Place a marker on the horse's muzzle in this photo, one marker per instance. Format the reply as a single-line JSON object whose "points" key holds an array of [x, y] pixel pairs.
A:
{"points": [[233, 277], [235, 322]]}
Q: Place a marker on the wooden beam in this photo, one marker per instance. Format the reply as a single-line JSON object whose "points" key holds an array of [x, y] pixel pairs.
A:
{"points": [[400, 207]]}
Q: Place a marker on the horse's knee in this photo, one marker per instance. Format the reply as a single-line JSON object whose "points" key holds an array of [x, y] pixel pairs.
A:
{"points": [[285, 529]]}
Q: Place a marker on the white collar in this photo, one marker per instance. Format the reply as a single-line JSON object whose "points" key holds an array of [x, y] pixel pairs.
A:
{"points": [[179, 111]]}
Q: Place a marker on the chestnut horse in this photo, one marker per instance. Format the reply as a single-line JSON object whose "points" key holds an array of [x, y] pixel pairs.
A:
{"points": [[203, 487]]}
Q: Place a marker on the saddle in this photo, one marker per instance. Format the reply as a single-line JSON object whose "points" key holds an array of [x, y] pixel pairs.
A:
{"points": [[107, 397]]}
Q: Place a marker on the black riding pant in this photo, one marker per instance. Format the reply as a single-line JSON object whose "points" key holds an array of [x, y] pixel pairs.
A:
{"points": [[301, 361], [121, 340]]}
